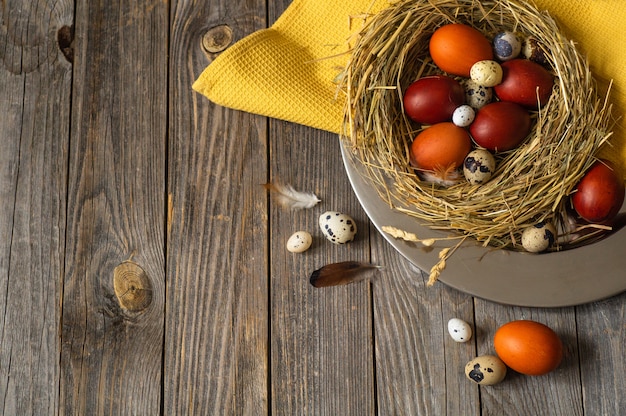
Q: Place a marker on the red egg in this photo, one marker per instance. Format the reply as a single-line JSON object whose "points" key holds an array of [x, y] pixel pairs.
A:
{"points": [[500, 126], [456, 47], [599, 194], [526, 83], [433, 99]]}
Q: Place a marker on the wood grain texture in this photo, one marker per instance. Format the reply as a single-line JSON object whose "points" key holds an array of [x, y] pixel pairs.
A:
{"points": [[321, 339], [601, 339], [321, 346], [216, 344], [111, 357], [419, 366], [35, 81]]}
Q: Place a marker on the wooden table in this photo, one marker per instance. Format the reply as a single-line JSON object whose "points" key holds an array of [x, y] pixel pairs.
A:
{"points": [[143, 266]]}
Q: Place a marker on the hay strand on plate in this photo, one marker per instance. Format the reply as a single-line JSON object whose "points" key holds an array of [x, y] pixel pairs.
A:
{"points": [[532, 182]]}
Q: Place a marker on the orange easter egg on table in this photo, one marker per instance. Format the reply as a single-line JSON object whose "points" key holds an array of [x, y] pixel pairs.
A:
{"points": [[528, 347], [455, 47]]}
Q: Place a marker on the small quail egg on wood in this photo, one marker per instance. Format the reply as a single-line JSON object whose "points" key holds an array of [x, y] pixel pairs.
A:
{"points": [[539, 237], [476, 95], [479, 166], [463, 115], [506, 46], [337, 227], [486, 73], [485, 370], [459, 330], [299, 242]]}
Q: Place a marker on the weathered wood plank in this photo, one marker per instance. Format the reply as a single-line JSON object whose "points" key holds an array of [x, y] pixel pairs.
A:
{"points": [[216, 343], [601, 339], [558, 392], [321, 338], [35, 80], [419, 366], [321, 347], [113, 300]]}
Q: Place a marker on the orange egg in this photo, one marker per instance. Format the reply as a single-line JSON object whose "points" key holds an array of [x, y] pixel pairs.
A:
{"points": [[441, 148], [455, 47], [528, 347]]}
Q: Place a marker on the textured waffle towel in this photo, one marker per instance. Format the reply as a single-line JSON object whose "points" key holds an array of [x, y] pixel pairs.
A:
{"points": [[287, 71]]}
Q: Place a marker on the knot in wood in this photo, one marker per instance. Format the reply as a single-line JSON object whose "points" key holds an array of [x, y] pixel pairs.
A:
{"points": [[217, 39], [65, 39], [132, 286]]}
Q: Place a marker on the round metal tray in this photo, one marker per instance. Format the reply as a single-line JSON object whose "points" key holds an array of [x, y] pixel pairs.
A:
{"points": [[570, 277]]}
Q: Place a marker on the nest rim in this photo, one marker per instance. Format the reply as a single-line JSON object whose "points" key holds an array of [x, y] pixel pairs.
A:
{"points": [[392, 51]]}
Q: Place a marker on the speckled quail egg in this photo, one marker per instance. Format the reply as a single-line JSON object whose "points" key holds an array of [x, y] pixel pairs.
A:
{"points": [[463, 115], [459, 330], [479, 166], [486, 73], [506, 46], [477, 96], [539, 237], [533, 50], [485, 370], [299, 242], [337, 227]]}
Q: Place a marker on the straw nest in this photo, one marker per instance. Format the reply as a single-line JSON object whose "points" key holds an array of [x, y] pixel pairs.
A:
{"points": [[532, 182]]}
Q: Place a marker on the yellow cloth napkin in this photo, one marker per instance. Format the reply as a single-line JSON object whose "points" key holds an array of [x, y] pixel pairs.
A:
{"points": [[288, 70]]}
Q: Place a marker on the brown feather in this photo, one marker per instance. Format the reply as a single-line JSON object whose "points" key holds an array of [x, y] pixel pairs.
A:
{"points": [[341, 273]]}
